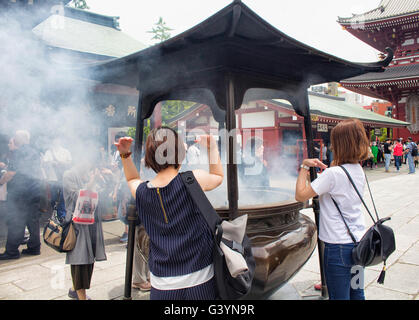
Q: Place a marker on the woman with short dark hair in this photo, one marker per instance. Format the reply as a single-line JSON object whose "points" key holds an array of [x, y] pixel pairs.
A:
{"points": [[350, 146], [181, 243]]}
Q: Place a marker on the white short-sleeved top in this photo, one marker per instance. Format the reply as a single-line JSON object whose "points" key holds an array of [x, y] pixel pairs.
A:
{"points": [[333, 182]]}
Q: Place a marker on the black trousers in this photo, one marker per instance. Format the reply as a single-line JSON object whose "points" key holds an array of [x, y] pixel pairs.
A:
{"points": [[81, 276], [23, 211]]}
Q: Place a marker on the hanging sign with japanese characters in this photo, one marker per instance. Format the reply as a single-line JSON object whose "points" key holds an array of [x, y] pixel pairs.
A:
{"points": [[322, 127]]}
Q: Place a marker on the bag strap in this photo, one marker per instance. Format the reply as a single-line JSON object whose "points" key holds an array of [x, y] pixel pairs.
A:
{"points": [[204, 205], [344, 221], [360, 196]]}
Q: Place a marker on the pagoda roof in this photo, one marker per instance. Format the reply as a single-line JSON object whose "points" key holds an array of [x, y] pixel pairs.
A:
{"points": [[86, 32], [387, 9], [234, 41], [402, 72]]}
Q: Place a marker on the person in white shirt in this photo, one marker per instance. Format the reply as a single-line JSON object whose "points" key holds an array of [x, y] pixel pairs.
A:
{"points": [[55, 162], [350, 146]]}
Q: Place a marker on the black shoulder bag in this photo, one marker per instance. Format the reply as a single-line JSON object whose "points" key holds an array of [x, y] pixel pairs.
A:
{"points": [[377, 244], [228, 287]]}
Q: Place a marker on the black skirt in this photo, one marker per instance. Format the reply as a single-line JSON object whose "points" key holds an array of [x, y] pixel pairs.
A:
{"points": [[81, 275]]}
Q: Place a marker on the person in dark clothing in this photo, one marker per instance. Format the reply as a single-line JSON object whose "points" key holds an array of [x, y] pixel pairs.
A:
{"points": [[387, 153], [254, 167], [23, 181], [180, 256]]}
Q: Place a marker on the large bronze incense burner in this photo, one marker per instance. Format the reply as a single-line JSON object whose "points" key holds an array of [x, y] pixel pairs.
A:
{"points": [[229, 60], [282, 241]]}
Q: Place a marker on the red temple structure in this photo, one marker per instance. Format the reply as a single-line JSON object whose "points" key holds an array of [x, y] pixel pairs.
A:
{"points": [[394, 24]]}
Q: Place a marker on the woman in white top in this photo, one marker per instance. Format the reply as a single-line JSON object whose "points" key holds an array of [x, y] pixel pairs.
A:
{"points": [[350, 146]]}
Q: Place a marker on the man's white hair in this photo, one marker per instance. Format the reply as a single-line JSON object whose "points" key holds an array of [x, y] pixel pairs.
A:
{"points": [[21, 137]]}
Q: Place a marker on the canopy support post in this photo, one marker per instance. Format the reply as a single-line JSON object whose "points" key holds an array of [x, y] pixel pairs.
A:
{"points": [[304, 105], [232, 179], [132, 208]]}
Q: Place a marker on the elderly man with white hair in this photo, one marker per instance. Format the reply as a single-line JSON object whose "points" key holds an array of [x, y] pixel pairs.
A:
{"points": [[23, 184]]}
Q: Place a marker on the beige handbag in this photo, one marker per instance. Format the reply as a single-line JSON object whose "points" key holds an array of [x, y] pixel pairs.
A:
{"points": [[61, 238]]}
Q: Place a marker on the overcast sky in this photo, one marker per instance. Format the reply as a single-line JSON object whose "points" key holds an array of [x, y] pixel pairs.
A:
{"points": [[309, 21]]}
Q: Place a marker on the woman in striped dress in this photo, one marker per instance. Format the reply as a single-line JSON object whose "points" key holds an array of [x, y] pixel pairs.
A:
{"points": [[181, 243]]}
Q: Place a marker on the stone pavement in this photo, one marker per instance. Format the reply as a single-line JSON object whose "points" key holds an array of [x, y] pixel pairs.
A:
{"points": [[46, 277]]}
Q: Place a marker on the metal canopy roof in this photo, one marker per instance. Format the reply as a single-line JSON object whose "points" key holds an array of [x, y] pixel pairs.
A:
{"points": [[236, 43]]}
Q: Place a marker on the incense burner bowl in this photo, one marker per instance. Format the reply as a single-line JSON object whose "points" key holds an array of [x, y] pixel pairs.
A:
{"points": [[282, 239]]}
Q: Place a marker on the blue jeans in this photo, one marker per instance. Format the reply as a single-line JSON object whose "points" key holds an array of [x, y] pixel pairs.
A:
{"points": [[398, 162], [387, 158], [344, 280], [55, 188], [411, 162]]}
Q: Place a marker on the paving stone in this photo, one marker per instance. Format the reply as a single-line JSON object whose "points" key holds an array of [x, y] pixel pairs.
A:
{"points": [[403, 241], [113, 258], [394, 257], [286, 292], [18, 274], [9, 289], [397, 222], [402, 278], [40, 293], [107, 291], [305, 280], [411, 256], [377, 292], [110, 273], [370, 276], [140, 295]]}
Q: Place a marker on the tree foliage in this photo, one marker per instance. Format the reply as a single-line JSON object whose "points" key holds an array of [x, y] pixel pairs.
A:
{"points": [[172, 108], [160, 31], [80, 4]]}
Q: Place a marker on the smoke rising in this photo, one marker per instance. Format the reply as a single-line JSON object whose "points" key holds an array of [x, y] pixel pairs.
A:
{"points": [[40, 93]]}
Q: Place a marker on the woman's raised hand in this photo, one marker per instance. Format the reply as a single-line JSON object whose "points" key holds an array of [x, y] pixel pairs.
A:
{"points": [[124, 144], [314, 163], [207, 141]]}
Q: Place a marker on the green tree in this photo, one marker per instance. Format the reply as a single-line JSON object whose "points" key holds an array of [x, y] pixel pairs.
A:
{"points": [[169, 108], [80, 4], [160, 31], [147, 129], [172, 108]]}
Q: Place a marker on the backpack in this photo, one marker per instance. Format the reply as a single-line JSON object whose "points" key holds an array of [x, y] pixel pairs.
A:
{"points": [[229, 287], [414, 149]]}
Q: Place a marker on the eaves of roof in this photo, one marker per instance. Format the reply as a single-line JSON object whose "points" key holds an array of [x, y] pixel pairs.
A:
{"points": [[386, 10]]}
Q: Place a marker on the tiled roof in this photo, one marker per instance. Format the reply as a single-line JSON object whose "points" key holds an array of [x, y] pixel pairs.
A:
{"points": [[392, 73], [92, 17], [387, 9], [335, 107], [87, 37]]}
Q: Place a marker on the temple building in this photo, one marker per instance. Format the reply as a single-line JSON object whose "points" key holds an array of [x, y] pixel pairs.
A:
{"points": [[282, 127], [393, 24], [60, 40]]}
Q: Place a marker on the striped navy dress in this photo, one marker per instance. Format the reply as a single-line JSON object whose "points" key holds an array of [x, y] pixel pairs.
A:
{"points": [[181, 243]]}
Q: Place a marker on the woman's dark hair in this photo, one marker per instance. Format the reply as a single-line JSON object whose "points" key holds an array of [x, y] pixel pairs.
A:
{"points": [[349, 142], [163, 149]]}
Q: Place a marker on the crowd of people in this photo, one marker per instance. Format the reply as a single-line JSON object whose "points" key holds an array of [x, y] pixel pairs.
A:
{"points": [[397, 151], [168, 270], [390, 151], [38, 181]]}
